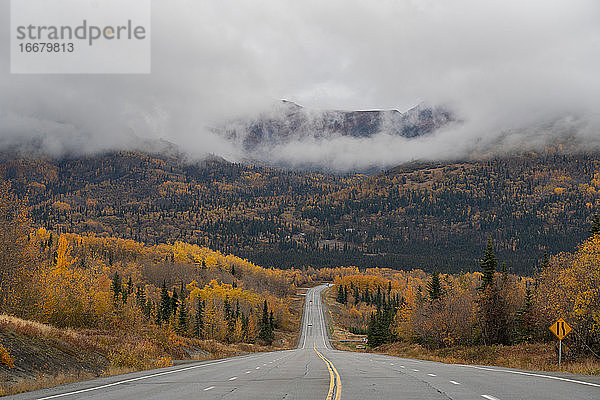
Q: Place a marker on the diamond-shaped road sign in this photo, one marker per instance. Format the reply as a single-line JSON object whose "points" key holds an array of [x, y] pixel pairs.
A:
{"points": [[560, 328]]}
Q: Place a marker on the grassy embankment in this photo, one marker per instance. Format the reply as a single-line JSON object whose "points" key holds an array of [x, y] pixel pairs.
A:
{"points": [[35, 356]]}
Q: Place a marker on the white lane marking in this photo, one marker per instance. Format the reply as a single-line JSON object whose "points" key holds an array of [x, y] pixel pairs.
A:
{"points": [[55, 396], [431, 374], [557, 378], [487, 396], [209, 388], [248, 372], [233, 378], [454, 382]]}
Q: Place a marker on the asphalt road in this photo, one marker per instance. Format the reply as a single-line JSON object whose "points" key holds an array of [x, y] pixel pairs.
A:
{"points": [[316, 371]]}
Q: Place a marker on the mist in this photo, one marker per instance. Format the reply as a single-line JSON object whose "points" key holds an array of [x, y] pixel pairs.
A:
{"points": [[517, 75]]}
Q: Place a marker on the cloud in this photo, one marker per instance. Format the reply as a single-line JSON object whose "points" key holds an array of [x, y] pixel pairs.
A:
{"points": [[516, 73]]}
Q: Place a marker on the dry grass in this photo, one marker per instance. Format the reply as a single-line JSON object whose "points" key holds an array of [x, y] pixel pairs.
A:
{"points": [[41, 382], [48, 332], [123, 351]]}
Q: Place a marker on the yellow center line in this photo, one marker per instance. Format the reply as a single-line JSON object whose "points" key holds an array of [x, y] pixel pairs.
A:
{"points": [[334, 378]]}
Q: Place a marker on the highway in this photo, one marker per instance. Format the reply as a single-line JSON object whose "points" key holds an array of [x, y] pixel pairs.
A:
{"points": [[316, 371]]}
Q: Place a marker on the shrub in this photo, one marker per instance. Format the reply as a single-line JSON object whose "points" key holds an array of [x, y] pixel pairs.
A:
{"points": [[6, 358]]}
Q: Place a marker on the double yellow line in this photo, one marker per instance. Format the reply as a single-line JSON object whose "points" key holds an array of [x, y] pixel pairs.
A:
{"points": [[334, 378]]}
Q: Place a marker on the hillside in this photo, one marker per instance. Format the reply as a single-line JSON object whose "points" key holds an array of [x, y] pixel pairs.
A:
{"points": [[75, 306], [434, 216]]}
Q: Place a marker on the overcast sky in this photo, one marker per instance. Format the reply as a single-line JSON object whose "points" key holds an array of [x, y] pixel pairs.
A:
{"points": [[514, 72]]}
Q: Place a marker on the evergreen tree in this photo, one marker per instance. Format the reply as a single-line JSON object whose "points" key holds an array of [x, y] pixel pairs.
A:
{"points": [[340, 294], [227, 308], [165, 303], [140, 297], [595, 229], [174, 303], [199, 325], [545, 261], [489, 264], [116, 287], [182, 319], [525, 318], [434, 287], [130, 286], [245, 324], [182, 294], [266, 328], [147, 309], [494, 320]]}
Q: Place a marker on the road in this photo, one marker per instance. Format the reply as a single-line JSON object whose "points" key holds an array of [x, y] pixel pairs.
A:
{"points": [[316, 371]]}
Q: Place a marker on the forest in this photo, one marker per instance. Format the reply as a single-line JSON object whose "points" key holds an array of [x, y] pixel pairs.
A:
{"points": [[433, 216], [137, 305], [471, 315], [140, 304]]}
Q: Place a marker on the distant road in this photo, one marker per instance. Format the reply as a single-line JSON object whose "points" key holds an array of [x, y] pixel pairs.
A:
{"points": [[316, 371]]}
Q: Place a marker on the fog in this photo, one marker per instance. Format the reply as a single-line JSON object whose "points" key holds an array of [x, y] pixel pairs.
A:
{"points": [[518, 75]]}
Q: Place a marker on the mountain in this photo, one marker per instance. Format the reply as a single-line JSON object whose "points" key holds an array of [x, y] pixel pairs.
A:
{"points": [[288, 122], [429, 215]]}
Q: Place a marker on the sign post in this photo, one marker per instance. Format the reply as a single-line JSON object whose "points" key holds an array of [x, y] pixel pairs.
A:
{"points": [[560, 329]]}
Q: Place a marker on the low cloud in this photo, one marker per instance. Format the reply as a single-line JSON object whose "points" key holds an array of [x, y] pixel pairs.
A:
{"points": [[517, 74]]}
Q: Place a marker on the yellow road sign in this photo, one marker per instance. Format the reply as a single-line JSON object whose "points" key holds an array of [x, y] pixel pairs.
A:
{"points": [[560, 328]]}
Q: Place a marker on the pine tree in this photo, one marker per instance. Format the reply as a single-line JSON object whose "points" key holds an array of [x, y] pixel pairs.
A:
{"points": [[525, 318], [182, 319], [227, 308], [165, 303], [116, 287], [182, 291], [199, 325], [266, 327], [140, 297], [174, 302], [340, 294], [147, 309], [545, 261], [595, 229], [489, 264], [495, 322], [434, 287]]}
